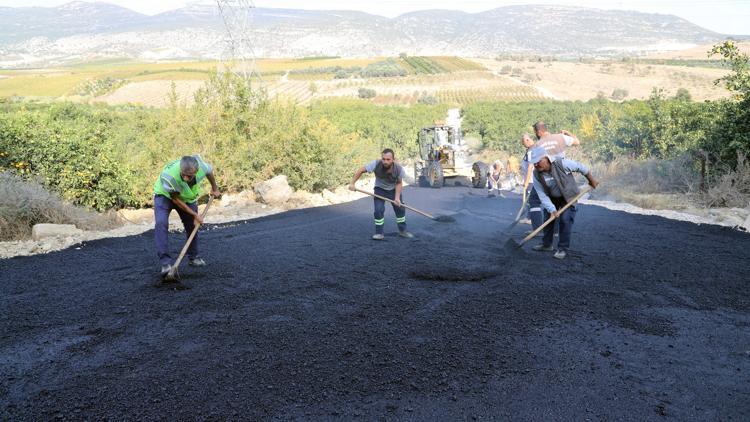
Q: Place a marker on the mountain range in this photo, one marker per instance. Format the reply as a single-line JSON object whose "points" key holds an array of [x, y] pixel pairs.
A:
{"points": [[82, 30]]}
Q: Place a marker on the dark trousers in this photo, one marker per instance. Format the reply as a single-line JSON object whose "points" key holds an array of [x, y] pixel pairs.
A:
{"points": [[163, 206], [380, 210], [565, 223], [535, 209]]}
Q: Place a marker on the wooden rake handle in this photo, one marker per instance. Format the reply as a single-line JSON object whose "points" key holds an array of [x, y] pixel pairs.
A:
{"points": [[560, 211], [525, 187], [523, 205], [190, 239], [394, 202], [527, 181]]}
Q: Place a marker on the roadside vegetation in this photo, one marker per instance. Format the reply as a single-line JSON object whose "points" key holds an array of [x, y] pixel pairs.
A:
{"points": [[107, 157]]}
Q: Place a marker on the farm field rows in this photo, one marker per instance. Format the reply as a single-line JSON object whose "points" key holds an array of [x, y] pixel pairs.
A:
{"points": [[451, 80], [63, 82]]}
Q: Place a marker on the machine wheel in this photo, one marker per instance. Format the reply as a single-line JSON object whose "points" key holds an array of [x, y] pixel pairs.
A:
{"points": [[435, 174], [480, 171], [419, 175]]}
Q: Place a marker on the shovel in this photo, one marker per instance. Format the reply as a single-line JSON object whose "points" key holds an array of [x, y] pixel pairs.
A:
{"points": [[513, 246], [172, 274], [440, 218]]}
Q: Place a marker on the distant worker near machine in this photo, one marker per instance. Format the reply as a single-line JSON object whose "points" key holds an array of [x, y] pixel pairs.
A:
{"points": [[494, 179], [388, 184]]}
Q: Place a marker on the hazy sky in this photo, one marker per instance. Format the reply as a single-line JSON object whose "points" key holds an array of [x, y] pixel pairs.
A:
{"points": [[724, 16]]}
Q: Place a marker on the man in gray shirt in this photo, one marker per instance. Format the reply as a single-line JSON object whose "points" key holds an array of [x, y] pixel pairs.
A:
{"points": [[388, 184]]}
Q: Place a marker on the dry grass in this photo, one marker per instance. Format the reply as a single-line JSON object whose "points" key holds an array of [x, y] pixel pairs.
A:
{"points": [[671, 184], [652, 184], [153, 93], [649, 176], [731, 189], [23, 204]]}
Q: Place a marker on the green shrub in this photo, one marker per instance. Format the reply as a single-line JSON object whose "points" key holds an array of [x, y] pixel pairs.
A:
{"points": [[619, 94], [366, 93], [427, 99], [69, 148]]}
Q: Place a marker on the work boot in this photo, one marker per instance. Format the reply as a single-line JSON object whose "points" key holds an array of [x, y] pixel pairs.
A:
{"points": [[406, 234], [542, 248], [560, 254], [165, 269], [378, 236], [197, 262]]}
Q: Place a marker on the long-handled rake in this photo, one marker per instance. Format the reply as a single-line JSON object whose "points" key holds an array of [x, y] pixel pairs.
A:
{"points": [[172, 275], [440, 218], [513, 246]]}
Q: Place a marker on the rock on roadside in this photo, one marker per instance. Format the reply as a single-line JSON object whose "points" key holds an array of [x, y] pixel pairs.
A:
{"points": [[137, 216], [45, 230], [302, 199], [275, 191]]}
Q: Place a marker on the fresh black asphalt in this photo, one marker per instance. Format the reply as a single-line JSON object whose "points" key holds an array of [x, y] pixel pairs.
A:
{"points": [[300, 316]]}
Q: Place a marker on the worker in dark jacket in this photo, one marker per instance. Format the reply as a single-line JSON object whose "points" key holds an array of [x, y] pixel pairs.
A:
{"points": [[556, 186]]}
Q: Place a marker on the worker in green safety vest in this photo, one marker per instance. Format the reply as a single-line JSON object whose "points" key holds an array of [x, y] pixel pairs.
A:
{"points": [[178, 188]]}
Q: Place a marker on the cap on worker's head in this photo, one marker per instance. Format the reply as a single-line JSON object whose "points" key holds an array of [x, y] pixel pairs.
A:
{"points": [[537, 153]]}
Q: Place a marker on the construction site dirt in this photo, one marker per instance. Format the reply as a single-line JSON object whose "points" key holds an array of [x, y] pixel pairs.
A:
{"points": [[300, 315]]}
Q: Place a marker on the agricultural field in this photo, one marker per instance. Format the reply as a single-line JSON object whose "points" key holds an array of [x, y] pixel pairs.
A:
{"points": [[454, 89], [696, 53], [64, 82], [403, 80], [584, 81], [433, 65]]}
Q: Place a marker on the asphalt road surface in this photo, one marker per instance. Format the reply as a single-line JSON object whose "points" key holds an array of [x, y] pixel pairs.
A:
{"points": [[301, 315]]}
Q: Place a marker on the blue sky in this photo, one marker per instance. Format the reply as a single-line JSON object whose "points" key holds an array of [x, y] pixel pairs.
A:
{"points": [[724, 16]]}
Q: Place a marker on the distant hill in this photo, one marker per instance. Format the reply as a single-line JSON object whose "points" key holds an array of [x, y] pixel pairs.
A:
{"points": [[80, 30]]}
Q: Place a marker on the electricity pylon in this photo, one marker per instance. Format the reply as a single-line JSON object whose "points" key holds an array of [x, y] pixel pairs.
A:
{"points": [[237, 16]]}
